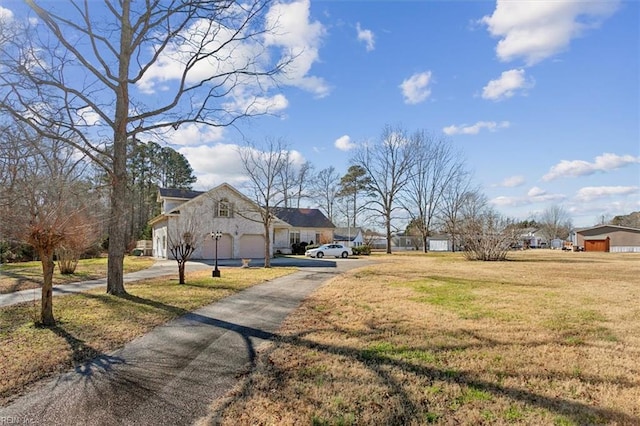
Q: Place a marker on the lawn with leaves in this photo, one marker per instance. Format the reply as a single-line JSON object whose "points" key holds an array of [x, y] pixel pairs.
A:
{"points": [[28, 275], [549, 337], [94, 323]]}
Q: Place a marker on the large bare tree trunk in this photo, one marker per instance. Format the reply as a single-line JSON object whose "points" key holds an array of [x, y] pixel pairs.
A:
{"points": [[117, 226], [46, 307]]}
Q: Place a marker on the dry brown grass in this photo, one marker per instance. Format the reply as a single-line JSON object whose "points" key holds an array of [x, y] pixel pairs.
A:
{"points": [[547, 338], [28, 275], [93, 323]]}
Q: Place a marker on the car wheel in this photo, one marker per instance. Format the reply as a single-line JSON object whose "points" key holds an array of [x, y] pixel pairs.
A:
{"points": [[344, 254], [319, 255]]}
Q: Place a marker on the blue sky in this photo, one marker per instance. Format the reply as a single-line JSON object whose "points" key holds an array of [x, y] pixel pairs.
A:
{"points": [[542, 98]]}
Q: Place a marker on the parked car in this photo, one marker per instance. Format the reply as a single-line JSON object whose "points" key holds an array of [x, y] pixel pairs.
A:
{"points": [[336, 250]]}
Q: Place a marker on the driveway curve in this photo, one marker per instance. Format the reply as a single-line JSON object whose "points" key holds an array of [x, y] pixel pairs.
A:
{"points": [[171, 375]]}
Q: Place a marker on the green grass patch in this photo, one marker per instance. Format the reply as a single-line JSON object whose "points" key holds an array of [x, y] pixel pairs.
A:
{"points": [[390, 351]]}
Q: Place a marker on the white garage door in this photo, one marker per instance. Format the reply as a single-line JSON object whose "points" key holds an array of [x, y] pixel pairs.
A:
{"points": [[225, 248], [252, 246]]}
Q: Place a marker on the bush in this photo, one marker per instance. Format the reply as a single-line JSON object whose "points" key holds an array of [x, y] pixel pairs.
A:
{"points": [[361, 250]]}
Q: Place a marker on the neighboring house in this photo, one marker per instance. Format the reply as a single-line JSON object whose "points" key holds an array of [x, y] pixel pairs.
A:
{"points": [[375, 240], [402, 241], [310, 226], [237, 217], [608, 238], [350, 237], [530, 238]]}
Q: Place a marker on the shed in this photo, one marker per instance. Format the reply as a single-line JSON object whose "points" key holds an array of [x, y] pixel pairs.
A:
{"points": [[609, 238]]}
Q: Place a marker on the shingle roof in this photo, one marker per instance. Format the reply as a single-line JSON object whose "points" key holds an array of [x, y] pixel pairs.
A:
{"points": [[344, 234], [185, 194], [303, 218]]}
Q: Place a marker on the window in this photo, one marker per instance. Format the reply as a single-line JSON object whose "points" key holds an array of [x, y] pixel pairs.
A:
{"points": [[294, 237], [224, 209], [318, 238]]}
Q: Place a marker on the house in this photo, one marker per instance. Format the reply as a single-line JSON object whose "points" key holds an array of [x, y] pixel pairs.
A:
{"points": [[350, 237], [300, 225], [226, 210], [531, 238], [607, 238]]}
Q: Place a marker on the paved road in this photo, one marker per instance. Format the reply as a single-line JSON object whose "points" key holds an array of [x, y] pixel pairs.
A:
{"points": [[159, 269], [171, 375]]}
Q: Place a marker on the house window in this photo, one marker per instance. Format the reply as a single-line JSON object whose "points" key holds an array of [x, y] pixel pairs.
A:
{"points": [[224, 209], [294, 237], [318, 235]]}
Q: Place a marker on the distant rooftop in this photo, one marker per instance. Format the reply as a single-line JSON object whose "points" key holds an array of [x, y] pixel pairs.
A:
{"points": [[185, 194]]}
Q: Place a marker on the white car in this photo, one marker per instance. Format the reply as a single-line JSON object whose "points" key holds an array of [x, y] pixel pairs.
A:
{"points": [[336, 250]]}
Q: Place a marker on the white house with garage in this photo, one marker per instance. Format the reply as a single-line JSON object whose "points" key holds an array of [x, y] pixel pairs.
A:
{"points": [[237, 219]]}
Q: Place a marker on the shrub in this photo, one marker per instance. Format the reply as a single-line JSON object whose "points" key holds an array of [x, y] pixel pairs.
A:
{"points": [[362, 250]]}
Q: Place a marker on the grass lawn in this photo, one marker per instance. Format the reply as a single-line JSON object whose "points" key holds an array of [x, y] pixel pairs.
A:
{"points": [[547, 338], [93, 323], [27, 275]]}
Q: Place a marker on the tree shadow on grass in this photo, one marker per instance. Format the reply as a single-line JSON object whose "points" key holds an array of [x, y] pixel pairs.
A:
{"points": [[383, 366], [81, 353]]}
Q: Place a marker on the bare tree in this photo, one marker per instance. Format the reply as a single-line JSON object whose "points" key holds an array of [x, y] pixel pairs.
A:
{"points": [[435, 168], [458, 198], [263, 167], [388, 165], [92, 71], [555, 222], [183, 239], [41, 202], [326, 185]]}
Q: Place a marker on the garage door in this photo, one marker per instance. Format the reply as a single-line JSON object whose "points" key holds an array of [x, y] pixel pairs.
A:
{"points": [[596, 245], [225, 248], [252, 246]]}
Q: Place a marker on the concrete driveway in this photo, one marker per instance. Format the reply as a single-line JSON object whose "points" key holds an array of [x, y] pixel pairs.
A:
{"points": [[171, 375]]}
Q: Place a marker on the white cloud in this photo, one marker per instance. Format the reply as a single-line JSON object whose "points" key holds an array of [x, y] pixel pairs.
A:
{"points": [[5, 15], [533, 196], [506, 85], [189, 134], [416, 89], [293, 36], [366, 36], [344, 143], [474, 129], [512, 181], [301, 38], [214, 164], [257, 105], [602, 163], [591, 193], [537, 30]]}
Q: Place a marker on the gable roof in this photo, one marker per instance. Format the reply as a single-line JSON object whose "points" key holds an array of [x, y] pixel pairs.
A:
{"points": [[184, 194], [303, 218]]}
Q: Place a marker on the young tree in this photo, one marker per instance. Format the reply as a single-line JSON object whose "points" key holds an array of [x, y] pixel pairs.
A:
{"points": [[183, 239], [202, 54], [263, 167], [388, 165]]}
